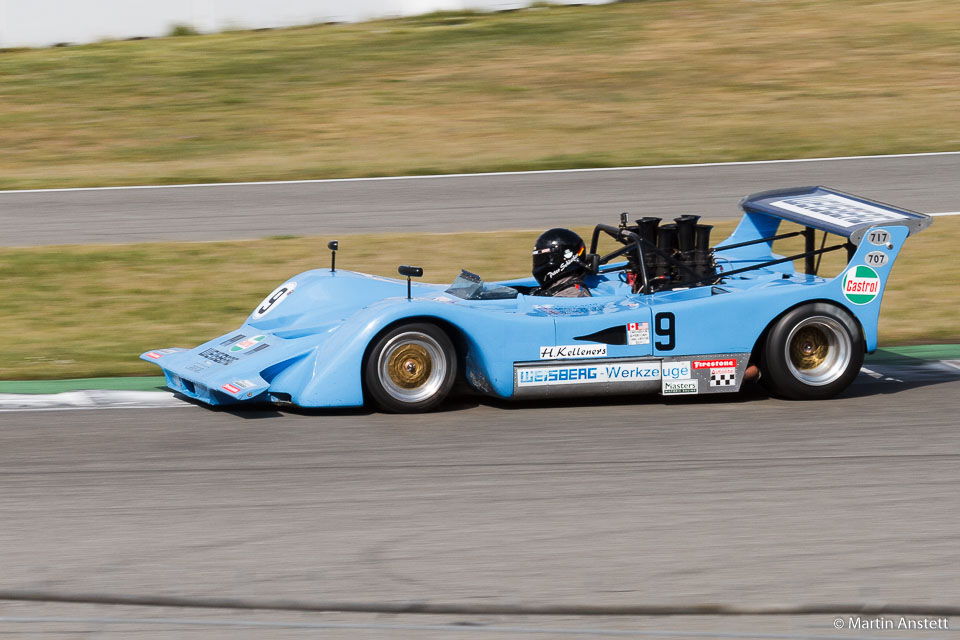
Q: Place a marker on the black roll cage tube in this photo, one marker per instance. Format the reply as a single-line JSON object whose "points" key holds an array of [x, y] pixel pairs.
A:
{"points": [[633, 242]]}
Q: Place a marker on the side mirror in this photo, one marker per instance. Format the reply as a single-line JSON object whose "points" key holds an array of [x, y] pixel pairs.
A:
{"points": [[404, 270], [333, 245], [415, 272]]}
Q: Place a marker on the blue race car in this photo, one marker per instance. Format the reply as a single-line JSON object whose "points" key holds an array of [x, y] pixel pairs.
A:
{"points": [[667, 314]]}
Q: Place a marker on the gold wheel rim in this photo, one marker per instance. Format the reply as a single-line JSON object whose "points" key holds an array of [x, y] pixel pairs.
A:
{"points": [[412, 367], [818, 351], [409, 366], [809, 348]]}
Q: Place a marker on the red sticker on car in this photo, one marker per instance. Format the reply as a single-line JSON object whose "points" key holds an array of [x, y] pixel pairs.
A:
{"points": [[715, 364]]}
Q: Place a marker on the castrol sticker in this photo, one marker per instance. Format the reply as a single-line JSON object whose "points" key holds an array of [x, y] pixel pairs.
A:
{"points": [[861, 284]]}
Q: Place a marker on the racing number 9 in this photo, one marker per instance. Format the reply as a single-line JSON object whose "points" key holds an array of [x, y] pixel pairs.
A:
{"points": [[272, 300], [665, 326]]}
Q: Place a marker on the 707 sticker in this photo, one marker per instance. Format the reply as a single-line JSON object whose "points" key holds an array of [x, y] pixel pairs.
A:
{"points": [[876, 258]]}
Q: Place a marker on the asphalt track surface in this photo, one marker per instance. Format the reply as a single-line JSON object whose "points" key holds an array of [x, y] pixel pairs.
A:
{"points": [[745, 500], [926, 183], [741, 500]]}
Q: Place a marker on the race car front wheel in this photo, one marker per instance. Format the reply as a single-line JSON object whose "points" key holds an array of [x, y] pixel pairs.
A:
{"points": [[411, 368], [813, 352]]}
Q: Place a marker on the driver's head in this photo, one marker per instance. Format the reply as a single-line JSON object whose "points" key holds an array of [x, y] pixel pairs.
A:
{"points": [[558, 253]]}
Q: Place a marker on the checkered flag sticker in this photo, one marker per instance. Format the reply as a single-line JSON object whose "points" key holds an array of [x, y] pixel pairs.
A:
{"points": [[723, 377]]}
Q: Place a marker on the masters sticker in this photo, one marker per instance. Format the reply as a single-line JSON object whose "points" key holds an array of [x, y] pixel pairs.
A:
{"points": [[638, 333], [680, 387], [861, 284]]}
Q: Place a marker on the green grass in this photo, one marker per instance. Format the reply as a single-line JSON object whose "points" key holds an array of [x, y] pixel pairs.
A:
{"points": [[89, 311], [551, 87]]}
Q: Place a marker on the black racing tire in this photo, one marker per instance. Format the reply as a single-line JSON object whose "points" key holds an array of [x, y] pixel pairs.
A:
{"points": [[812, 352], [411, 368]]}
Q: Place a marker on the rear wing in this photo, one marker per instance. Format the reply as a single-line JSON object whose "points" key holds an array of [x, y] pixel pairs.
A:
{"points": [[832, 211], [859, 222]]}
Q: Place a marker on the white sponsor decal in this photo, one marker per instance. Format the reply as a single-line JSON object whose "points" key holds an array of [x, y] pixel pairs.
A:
{"points": [[243, 345], [876, 259], [878, 237], [244, 384], [723, 377], [273, 300], [588, 374], [713, 364], [638, 333], [560, 352], [676, 370], [156, 354], [838, 210], [680, 387]]}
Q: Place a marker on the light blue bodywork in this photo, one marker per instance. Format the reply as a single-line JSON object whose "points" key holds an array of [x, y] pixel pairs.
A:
{"points": [[306, 343]]}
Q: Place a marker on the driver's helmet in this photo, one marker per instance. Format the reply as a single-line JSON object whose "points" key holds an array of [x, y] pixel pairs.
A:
{"points": [[558, 253]]}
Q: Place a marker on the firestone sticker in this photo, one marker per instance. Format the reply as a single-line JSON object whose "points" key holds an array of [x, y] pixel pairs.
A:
{"points": [[861, 284], [638, 333], [560, 352], [714, 364]]}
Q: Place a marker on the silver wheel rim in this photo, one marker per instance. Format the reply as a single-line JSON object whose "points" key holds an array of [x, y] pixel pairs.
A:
{"points": [[818, 351], [412, 367]]}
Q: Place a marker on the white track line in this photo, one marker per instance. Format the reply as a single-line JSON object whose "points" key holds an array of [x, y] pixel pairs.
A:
{"points": [[945, 213], [492, 173]]}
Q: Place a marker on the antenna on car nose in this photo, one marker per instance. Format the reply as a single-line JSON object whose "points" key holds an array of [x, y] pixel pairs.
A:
{"points": [[404, 270], [333, 245]]}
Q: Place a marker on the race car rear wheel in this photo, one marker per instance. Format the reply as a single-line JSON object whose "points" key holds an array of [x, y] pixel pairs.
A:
{"points": [[812, 352], [411, 368]]}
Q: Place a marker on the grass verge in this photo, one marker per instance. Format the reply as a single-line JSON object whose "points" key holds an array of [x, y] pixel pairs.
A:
{"points": [[631, 83], [89, 311]]}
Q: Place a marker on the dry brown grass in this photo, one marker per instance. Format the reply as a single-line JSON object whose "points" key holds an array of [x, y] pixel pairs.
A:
{"points": [[81, 311], [622, 84]]}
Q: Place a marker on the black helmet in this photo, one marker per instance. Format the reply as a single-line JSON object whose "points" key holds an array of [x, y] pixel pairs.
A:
{"points": [[558, 253]]}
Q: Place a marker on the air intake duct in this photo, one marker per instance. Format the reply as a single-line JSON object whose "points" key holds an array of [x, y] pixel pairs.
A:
{"points": [[703, 262]]}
